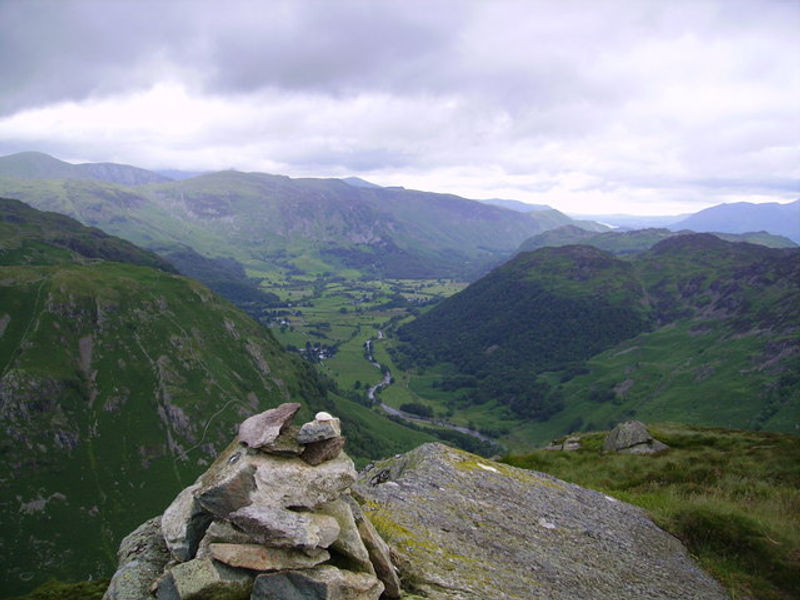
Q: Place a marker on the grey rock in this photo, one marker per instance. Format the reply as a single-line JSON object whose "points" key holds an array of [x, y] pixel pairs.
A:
{"points": [[318, 430], [568, 443], [281, 528], [632, 437], [142, 557], [285, 444], [222, 532], [324, 582], [263, 428], [241, 476], [257, 557], [184, 523], [294, 483], [316, 453], [464, 527], [266, 510], [204, 579], [378, 550], [348, 543], [227, 484]]}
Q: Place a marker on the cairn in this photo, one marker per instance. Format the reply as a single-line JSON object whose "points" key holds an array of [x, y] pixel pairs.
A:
{"points": [[272, 518]]}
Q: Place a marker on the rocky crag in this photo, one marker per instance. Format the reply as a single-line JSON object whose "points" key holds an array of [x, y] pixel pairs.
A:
{"points": [[270, 519], [282, 515]]}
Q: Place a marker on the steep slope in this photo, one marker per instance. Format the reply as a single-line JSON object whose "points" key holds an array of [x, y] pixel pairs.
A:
{"points": [[118, 383], [27, 232], [740, 217], [697, 329]]}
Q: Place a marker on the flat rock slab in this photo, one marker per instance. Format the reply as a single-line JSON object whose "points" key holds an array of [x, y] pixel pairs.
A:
{"points": [[263, 428], [261, 558], [464, 527]]}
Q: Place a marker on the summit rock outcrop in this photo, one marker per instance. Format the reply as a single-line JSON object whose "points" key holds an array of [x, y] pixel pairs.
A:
{"points": [[467, 528], [264, 523]]}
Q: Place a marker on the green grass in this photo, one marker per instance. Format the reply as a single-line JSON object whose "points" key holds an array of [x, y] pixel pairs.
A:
{"points": [[733, 497], [57, 590]]}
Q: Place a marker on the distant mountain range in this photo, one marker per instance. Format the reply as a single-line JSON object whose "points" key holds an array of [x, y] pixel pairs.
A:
{"points": [[638, 240], [267, 220], [782, 219], [37, 165], [741, 217]]}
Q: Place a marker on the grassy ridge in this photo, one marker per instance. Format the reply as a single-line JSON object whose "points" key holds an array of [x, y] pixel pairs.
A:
{"points": [[733, 497]]}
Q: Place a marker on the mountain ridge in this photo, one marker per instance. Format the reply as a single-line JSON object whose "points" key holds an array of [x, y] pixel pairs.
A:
{"points": [[327, 222], [638, 240], [38, 165]]}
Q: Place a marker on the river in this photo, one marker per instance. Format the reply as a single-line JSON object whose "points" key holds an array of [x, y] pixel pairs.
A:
{"points": [[390, 410]]}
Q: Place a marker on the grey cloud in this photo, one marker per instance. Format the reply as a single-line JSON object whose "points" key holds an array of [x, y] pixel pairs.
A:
{"points": [[622, 93], [336, 48], [521, 54], [53, 51], [68, 50]]}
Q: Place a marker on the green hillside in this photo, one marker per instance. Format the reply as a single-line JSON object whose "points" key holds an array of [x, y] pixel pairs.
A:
{"points": [[695, 330], [119, 382], [731, 496], [540, 312]]}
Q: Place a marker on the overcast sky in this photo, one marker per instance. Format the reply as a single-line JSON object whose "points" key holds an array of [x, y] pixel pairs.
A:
{"points": [[648, 107]]}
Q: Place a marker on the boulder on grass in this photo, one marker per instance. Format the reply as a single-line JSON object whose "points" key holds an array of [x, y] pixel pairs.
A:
{"points": [[632, 437]]}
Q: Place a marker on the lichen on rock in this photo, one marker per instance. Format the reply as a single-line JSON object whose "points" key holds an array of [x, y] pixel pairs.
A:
{"points": [[464, 527]]}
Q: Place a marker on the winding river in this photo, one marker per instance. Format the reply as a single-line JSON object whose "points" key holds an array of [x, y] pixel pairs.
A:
{"points": [[390, 410]]}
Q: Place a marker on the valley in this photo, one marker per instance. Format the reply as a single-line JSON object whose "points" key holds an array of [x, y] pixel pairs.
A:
{"points": [[409, 315]]}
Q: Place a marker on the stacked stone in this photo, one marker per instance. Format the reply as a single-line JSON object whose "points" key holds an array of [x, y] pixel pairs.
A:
{"points": [[272, 519]]}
